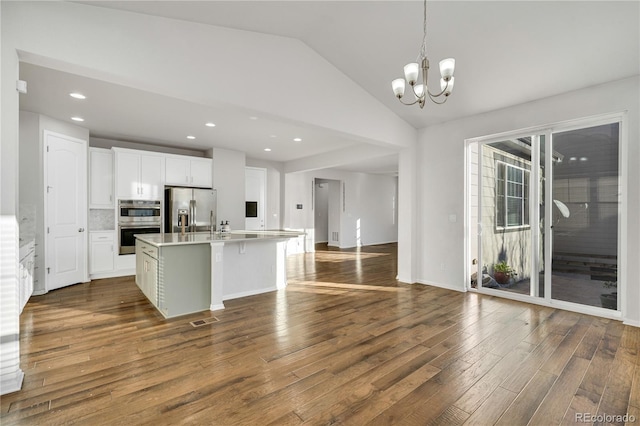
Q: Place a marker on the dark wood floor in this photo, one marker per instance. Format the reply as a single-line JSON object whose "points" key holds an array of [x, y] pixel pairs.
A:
{"points": [[344, 343]]}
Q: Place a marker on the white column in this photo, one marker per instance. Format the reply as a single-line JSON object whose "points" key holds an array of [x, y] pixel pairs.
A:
{"points": [[217, 275], [10, 373], [407, 203]]}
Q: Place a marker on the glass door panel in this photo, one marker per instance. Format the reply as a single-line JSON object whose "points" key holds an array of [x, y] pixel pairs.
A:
{"points": [[585, 188], [507, 228]]}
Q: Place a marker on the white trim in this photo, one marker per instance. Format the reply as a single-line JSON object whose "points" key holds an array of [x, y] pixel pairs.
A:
{"points": [[249, 293], [112, 274], [552, 303], [217, 307], [11, 382], [440, 285]]}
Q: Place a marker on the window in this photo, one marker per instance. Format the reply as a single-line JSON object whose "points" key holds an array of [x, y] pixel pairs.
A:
{"points": [[512, 196]]}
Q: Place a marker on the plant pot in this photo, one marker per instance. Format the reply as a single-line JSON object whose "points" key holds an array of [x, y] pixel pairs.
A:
{"points": [[502, 277], [609, 300]]}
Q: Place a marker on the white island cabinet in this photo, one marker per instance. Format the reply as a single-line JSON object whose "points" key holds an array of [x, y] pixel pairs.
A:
{"points": [[198, 271]]}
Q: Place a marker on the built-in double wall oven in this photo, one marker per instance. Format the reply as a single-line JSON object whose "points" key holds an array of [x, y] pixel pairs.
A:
{"points": [[137, 217]]}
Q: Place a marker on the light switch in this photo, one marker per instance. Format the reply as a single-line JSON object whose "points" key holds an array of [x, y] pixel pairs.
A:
{"points": [[453, 218]]}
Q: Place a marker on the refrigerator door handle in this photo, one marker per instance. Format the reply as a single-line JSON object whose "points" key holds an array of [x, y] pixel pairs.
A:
{"points": [[192, 205]]}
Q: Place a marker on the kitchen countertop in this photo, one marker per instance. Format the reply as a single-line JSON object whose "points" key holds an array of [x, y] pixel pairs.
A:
{"points": [[173, 239]]}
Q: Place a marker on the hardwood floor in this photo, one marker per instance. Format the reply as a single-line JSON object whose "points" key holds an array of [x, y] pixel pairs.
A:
{"points": [[344, 343]]}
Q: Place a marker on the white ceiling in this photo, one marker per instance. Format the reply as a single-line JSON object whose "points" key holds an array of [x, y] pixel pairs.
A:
{"points": [[507, 53]]}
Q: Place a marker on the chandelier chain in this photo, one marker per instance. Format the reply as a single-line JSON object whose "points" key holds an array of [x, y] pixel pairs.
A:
{"points": [[423, 48]]}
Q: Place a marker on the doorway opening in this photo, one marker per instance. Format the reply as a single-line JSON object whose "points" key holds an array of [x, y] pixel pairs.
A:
{"points": [[326, 202]]}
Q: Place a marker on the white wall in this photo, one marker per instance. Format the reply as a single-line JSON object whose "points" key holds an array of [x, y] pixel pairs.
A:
{"points": [[228, 181], [368, 201], [440, 184], [275, 185]]}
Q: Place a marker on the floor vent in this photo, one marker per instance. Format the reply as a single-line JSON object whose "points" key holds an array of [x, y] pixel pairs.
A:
{"points": [[205, 321]]}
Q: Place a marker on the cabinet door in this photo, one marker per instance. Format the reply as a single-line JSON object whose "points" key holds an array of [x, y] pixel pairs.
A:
{"points": [[177, 171], [101, 179], [151, 177], [201, 173], [151, 280], [101, 259], [127, 175]]}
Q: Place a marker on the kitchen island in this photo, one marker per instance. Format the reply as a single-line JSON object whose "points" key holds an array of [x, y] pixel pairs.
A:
{"points": [[182, 274]]}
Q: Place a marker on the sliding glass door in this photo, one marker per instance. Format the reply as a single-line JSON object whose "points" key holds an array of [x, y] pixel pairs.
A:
{"points": [[543, 218], [585, 188]]}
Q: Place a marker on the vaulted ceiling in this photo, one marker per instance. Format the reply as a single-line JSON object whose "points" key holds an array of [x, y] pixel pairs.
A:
{"points": [[507, 53]]}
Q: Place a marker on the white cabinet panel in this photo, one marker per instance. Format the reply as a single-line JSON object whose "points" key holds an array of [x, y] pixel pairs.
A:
{"points": [[151, 177], [177, 171], [201, 173], [189, 171], [127, 175], [101, 178], [138, 175], [101, 256]]}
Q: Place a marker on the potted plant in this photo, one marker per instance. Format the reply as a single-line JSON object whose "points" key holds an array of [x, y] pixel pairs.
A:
{"points": [[610, 300], [502, 272]]}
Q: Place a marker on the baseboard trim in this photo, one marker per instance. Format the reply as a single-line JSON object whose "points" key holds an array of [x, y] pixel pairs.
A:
{"points": [[249, 293], [216, 307], [440, 285], [112, 274]]}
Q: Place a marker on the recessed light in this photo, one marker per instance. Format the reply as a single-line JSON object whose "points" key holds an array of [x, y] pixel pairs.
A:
{"points": [[297, 140], [253, 117], [572, 159], [583, 158], [77, 95], [210, 124], [77, 118], [272, 136], [191, 137], [268, 149]]}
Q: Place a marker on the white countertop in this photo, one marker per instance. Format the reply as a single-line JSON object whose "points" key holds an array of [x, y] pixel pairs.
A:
{"points": [[167, 239]]}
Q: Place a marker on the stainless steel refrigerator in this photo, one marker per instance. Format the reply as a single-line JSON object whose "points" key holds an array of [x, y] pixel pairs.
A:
{"points": [[195, 205]]}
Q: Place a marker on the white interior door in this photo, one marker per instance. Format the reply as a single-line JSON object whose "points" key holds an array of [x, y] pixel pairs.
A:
{"points": [[66, 210], [255, 190]]}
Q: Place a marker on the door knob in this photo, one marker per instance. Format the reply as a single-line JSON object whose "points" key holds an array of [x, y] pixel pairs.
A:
{"points": [[80, 229]]}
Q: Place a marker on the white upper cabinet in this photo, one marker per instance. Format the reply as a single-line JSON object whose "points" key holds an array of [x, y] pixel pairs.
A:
{"points": [[189, 171], [100, 178], [138, 175], [202, 172]]}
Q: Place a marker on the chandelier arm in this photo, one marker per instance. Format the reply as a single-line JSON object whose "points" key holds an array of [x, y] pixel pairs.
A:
{"points": [[433, 95], [433, 99], [405, 103]]}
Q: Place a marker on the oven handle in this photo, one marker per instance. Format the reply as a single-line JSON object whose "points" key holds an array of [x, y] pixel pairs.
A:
{"points": [[138, 226]]}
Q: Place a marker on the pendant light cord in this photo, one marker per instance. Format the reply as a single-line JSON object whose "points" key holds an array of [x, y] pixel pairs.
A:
{"points": [[423, 48]]}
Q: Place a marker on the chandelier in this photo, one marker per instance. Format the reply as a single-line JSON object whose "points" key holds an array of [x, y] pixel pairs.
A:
{"points": [[412, 72]]}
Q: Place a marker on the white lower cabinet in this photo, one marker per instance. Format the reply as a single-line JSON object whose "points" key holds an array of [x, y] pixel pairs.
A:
{"points": [[147, 270], [101, 255]]}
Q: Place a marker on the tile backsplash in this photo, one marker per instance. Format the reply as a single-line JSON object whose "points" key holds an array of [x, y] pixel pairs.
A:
{"points": [[27, 217], [102, 219]]}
